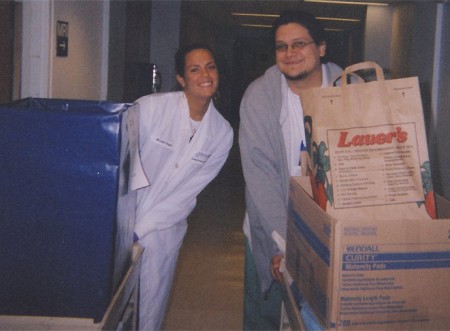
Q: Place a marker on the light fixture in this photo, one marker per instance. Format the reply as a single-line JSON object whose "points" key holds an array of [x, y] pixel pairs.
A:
{"points": [[319, 18], [254, 15], [349, 2], [257, 26], [338, 19]]}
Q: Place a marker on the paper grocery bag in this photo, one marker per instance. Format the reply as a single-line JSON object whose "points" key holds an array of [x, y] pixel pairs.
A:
{"points": [[367, 154]]}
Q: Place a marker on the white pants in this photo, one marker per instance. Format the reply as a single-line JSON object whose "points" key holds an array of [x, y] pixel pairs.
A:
{"points": [[159, 261]]}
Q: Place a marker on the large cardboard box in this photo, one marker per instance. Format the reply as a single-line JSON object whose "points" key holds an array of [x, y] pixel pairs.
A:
{"points": [[359, 274]]}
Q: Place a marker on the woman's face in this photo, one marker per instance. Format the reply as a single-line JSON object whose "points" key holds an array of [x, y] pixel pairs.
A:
{"points": [[201, 77]]}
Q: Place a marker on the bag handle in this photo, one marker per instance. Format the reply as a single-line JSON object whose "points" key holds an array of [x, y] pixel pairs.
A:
{"points": [[363, 66]]}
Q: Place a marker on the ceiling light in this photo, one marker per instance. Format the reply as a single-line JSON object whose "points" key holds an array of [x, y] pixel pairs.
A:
{"points": [[338, 19], [257, 25], [255, 15], [319, 18], [349, 2]]}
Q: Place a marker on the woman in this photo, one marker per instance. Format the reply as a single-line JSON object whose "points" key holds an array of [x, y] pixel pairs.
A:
{"points": [[183, 142]]}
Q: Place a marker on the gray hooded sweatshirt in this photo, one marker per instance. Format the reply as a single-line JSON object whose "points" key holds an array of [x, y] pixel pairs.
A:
{"points": [[265, 167]]}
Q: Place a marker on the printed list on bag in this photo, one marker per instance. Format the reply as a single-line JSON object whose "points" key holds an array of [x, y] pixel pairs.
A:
{"points": [[374, 165]]}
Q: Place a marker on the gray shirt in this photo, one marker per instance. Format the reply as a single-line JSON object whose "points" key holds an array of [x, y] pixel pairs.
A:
{"points": [[265, 167]]}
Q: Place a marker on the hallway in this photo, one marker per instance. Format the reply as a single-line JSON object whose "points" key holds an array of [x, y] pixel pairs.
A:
{"points": [[207, 293]]}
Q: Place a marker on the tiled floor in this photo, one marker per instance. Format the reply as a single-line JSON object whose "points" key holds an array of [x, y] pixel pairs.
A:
{"points": [[207, 293]]}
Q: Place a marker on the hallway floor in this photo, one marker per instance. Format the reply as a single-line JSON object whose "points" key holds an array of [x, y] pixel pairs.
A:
{"points": [[207, 293]]}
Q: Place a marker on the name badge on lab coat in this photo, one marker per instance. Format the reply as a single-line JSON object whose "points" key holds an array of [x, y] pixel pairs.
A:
{"points": [[163, 142], [201, 157]]}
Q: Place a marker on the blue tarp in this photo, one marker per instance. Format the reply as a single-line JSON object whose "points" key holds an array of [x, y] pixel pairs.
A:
{"points": [[59, 184]]}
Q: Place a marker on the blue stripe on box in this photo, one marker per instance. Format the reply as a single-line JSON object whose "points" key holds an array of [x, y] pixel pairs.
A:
{"points": [[412, 256], [396, 261], [321, 250]]}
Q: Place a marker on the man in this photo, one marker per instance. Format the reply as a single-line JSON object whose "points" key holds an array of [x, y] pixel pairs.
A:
{"points": [[270, 135]]}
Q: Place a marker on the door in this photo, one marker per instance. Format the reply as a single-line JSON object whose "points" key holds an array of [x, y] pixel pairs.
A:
{"points": [[6, 50]]}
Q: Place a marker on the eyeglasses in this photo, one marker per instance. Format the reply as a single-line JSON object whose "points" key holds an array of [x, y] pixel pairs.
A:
{"points": [[299, 44]]}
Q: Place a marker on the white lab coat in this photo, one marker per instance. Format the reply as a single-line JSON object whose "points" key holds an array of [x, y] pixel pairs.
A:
{"points": [[177, 171]]}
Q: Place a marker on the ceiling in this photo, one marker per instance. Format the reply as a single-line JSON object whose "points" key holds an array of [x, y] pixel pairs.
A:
{"points": [[220, 12]]}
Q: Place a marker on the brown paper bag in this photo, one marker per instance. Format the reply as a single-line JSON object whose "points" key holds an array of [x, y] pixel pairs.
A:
{"points": [[367, 152]]}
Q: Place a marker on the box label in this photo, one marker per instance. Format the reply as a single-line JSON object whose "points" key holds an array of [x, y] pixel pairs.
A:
{"points": [[376, 283], [372, 259]]}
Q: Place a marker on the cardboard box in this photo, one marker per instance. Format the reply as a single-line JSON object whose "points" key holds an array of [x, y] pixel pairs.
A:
{"points": [[359, 274]]}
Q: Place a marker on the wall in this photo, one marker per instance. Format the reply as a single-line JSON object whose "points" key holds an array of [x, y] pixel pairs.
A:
{"points": [[419, 47], [84, 73], [440, 146], [35, 48], [116, 59], [195, 28], [80, 75], [409, 40], [165, 32], [378, 36], [401, 40], [7, 50]]}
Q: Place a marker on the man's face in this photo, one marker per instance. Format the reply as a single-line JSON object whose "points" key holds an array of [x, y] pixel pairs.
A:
{"points": [[301, 57]]}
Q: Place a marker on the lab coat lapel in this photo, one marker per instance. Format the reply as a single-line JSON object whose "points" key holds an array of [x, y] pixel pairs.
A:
{"points": [[198, 140], [202, 133]]}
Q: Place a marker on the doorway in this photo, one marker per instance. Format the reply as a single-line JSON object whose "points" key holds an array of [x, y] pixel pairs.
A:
{"points": [[7, 36]]}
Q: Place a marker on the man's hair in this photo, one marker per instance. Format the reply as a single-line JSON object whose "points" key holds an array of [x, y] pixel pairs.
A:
{"points": [[305, 19]]}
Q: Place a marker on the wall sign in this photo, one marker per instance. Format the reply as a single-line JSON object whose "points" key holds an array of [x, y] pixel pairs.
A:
{"points": [[62, 38]]}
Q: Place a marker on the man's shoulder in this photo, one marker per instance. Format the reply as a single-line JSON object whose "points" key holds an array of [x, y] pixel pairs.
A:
{"points": [[333, 71], [333, 67], [270, 79]]}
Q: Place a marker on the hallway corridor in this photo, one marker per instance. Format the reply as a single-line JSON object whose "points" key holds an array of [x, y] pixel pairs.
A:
{"points": [[207, 293]]}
